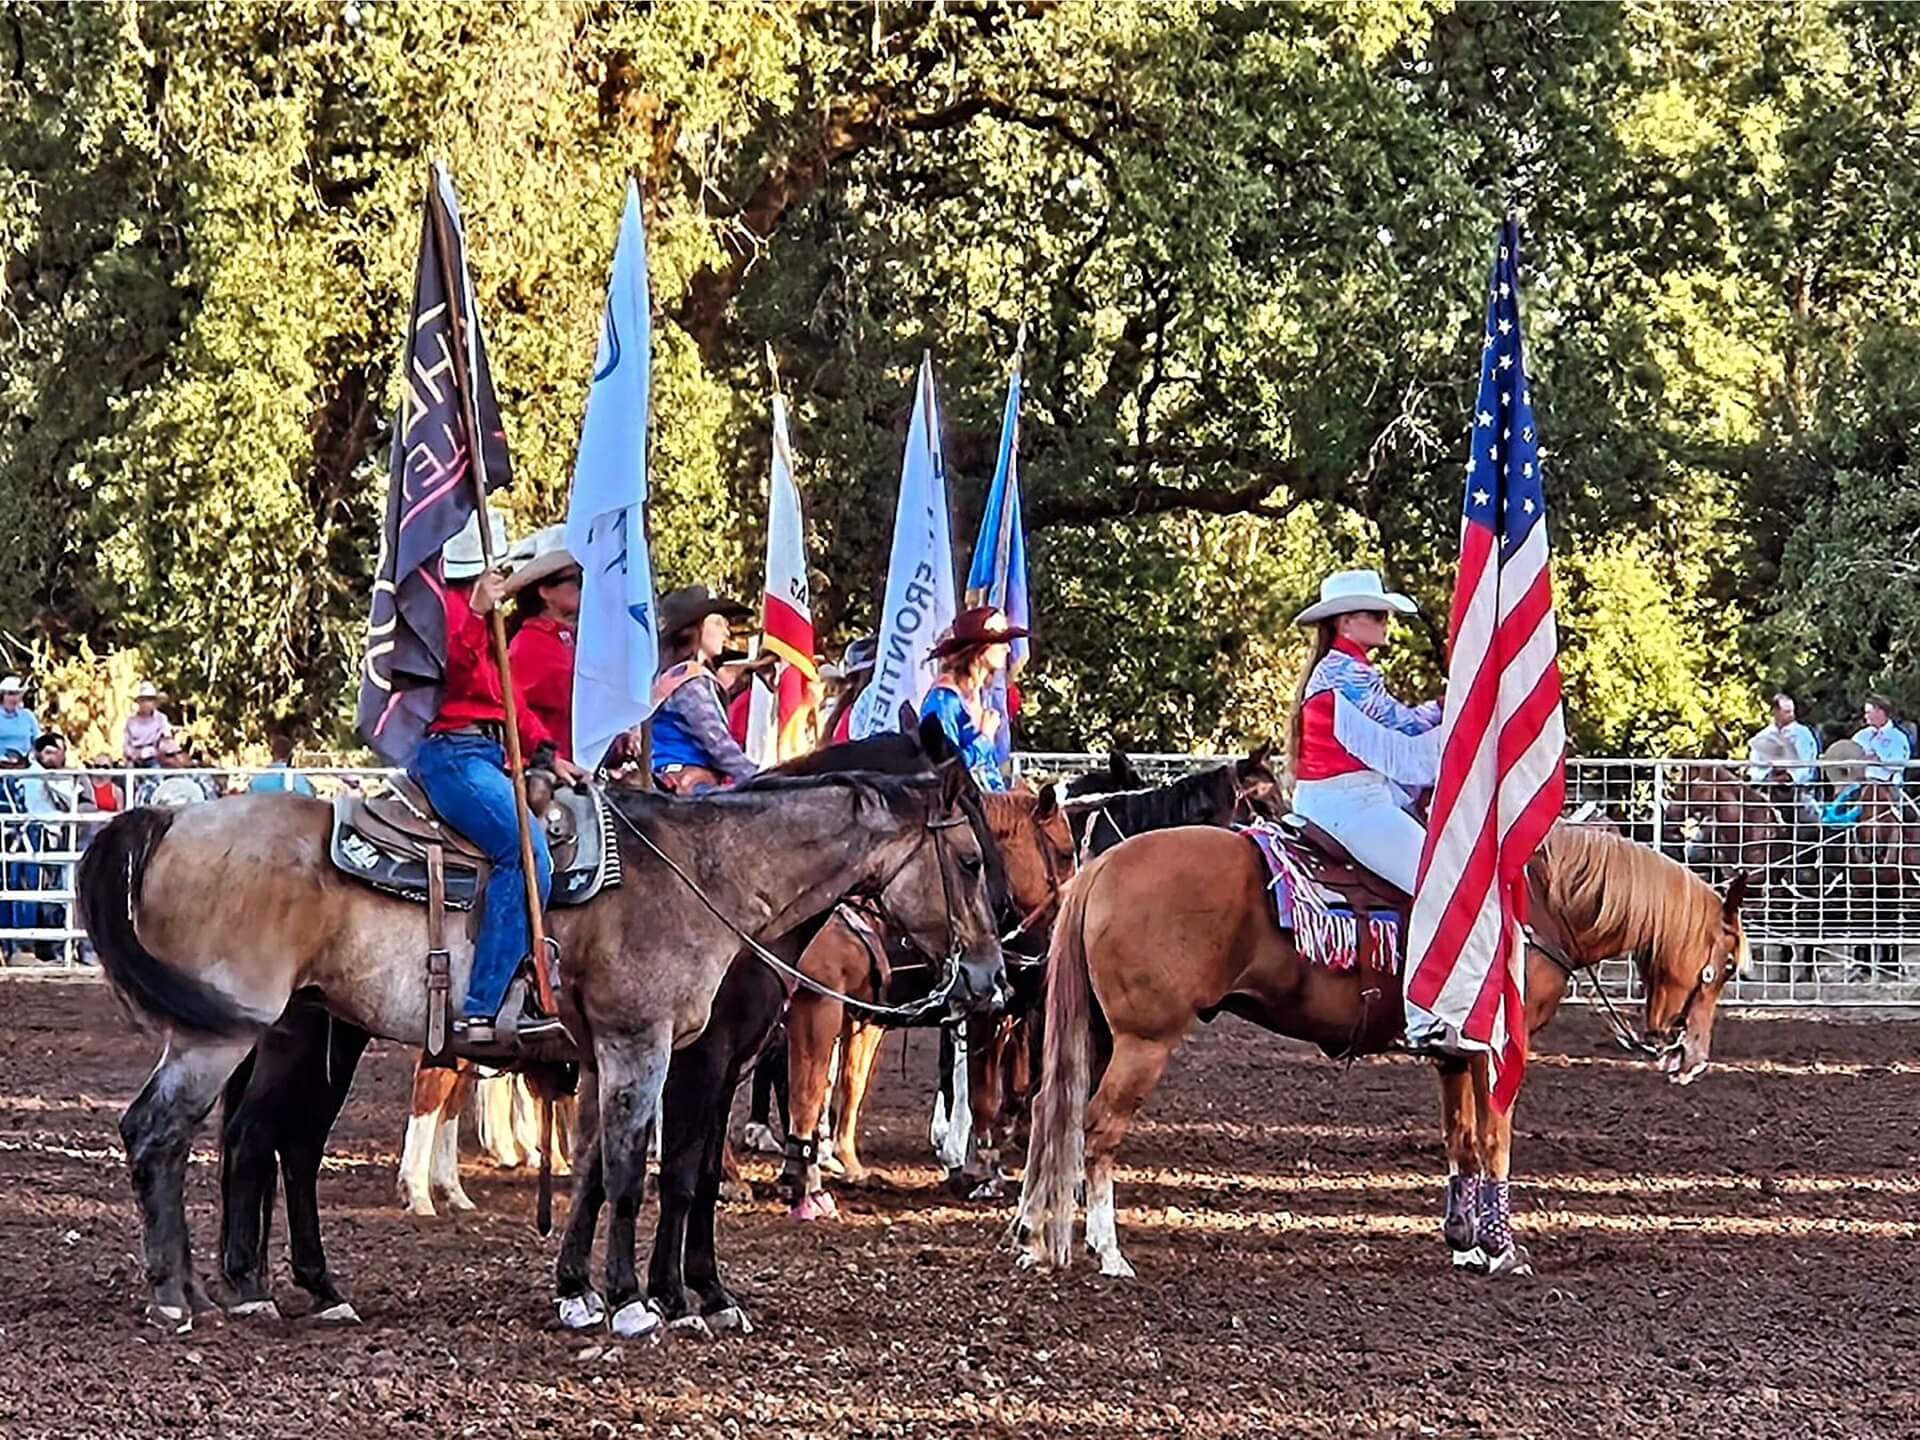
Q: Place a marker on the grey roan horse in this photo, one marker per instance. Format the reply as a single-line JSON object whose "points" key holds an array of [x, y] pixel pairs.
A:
{"points": [[208, 920]]}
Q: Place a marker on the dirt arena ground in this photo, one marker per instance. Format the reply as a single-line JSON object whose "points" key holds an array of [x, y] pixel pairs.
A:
{"points": [[1734, 1259]]}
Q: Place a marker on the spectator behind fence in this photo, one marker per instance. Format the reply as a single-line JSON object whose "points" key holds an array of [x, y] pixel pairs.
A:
{"points": [[1784, 752], [17, 870], [107, 794], [1885, 741], [53, 797], [281, 774], [146, 728], [18, 728], [176, 787]]}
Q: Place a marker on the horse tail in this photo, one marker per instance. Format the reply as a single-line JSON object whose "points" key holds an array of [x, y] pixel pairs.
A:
{"points": [[1056, 1150], [111, 876]]}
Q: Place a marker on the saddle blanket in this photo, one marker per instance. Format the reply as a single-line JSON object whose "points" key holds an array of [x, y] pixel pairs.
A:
{"points": [[1325, 931]]}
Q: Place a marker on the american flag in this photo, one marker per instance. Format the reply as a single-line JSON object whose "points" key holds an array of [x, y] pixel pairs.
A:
{"points": [[1504, 741]]}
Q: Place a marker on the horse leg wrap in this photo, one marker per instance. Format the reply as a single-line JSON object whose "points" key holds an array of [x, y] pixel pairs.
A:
{"points": [[1462, 1226], [439, 999], [1496, 1216]]}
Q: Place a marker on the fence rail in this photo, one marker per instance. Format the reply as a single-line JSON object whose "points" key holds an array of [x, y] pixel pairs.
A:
{"points": [[1832, 857]]}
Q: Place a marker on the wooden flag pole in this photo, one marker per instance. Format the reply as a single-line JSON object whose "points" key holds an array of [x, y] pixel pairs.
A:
{"points": [[477, 465]]}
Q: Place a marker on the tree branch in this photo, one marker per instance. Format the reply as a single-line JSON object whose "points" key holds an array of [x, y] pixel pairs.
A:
{"points": [[1149, 498]]}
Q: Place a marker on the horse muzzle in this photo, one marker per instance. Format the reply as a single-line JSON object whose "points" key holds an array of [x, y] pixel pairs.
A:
{"points": [[980, 985]]}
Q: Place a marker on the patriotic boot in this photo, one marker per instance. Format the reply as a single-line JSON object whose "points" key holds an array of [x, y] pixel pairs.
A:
{"points": [[1462, 1225], [1504, 1255]]}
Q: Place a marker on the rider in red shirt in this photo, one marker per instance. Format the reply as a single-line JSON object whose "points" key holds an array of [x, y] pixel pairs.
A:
{"points": [[546, 591], [461, 764]]}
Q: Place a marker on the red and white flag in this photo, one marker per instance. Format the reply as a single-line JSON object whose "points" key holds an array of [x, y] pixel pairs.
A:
{"points": [[786, 610], [1503, 746]]}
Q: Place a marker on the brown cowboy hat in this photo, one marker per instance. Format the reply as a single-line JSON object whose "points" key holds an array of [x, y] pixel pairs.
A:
{"points": [[982, 625], [691, 604]]}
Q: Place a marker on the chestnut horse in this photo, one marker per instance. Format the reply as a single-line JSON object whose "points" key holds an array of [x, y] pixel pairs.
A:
{"points": [[858, 961], [1179, 925]]}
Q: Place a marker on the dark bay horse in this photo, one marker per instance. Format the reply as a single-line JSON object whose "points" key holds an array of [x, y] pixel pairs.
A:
{"points": [[209, 920], [1179, 925]]}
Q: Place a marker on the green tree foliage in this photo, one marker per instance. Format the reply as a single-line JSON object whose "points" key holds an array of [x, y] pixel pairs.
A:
{"points": [[1248, 240]]}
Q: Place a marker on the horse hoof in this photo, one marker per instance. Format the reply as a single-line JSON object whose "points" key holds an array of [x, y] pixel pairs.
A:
{"points": [[1030, 1260], [419, 1206], [994, 1189], [457, 1202], [694, 1327], [736, 1192], [759, 1139], [1511, 1264], [255, 1310], [635, 1320], [582, 1312], [341, 1312], [817, 1206], [731, 1320], [1472, 1258], [174, 1319], [830, 1165], [1115, 1264]]}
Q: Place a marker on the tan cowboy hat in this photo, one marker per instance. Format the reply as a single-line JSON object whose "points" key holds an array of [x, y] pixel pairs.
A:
{"points": [[1345, 591], [540, 555], [1771, 747], [1846, 763]]}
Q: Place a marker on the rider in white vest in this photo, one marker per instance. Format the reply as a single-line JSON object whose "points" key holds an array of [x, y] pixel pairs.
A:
{"points": [[1358, 754]]}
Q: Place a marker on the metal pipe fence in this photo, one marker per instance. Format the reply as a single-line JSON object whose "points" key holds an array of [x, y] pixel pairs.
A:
{"points": [[1831, 852]]}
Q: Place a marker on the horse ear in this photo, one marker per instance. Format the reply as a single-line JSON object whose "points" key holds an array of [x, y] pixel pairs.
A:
{"points": [[1049, 802], [933, 739], [1736, 893], [954, 781], [1256, 760]]}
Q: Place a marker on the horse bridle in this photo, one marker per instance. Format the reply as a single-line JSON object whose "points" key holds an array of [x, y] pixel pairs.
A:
{"points": [[1624, 1034], [1048, 908], [930, 831]]}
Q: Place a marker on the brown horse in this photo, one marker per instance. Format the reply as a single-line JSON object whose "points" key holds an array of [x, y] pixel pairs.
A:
{"points": [[850, 957], [208, 920], [1179, 925], [1724, 824]]}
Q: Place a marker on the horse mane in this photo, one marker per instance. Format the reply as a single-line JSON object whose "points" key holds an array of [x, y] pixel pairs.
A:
{"points": [[1191, 800], [1621, 898]]}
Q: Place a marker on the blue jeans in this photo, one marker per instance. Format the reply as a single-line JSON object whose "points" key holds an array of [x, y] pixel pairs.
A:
{"points": [[465, 777]]}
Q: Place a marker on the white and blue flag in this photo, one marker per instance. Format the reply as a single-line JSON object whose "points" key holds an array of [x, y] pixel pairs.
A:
{"points": [[920, 596], [617, 649]]}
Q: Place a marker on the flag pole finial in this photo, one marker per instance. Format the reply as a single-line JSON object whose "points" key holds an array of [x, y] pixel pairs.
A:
{"points": [[773, 367], [1020, 341]]}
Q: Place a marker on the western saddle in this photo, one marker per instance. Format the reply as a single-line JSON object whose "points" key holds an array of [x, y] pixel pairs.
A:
{"points": [[397, 844]]}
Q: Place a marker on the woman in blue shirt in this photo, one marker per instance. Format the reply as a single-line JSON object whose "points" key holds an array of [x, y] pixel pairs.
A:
{"points": [[693, 751], [972, 654]]}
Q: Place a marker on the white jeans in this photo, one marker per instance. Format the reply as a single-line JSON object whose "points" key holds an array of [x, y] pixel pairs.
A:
{"points": [[1362, 811]]}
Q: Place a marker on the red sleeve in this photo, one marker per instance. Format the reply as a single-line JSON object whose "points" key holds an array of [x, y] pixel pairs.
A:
{"points": [[533, 734], [740, 715], [541, 666], [465, 629]]}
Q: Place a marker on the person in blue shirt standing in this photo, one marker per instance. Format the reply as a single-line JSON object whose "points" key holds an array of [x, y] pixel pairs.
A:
{"points": [[18, 728], [280, 775], [973, 652], [1885, 741]]}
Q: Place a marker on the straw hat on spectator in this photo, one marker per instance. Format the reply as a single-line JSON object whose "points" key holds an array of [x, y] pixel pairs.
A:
{"points": [[1846, 763]]}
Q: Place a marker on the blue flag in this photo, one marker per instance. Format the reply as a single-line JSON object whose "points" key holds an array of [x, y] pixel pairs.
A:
{"points": [[998, 576]]}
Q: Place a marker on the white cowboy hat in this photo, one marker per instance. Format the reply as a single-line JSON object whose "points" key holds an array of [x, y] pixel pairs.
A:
{"points": [[11, 686], [1345, 591], [541, 554], [1771, 747], [146, 691], [461, 558]]}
